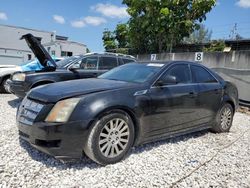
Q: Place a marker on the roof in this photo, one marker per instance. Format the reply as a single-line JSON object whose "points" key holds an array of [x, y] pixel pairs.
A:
{"points": [[26, 28], [112, 54], [63, 41], [166, 62], [237, 41]]}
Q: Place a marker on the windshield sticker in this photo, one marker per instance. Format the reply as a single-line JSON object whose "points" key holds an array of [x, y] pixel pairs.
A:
{"points": [[155, 64]]}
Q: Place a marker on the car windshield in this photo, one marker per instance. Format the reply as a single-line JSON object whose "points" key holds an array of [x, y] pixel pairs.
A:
{"points": [[66, 61], [134, 72]]}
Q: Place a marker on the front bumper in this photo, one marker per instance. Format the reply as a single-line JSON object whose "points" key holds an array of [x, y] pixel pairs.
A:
{"points": [[63, 141], [19, 89]]}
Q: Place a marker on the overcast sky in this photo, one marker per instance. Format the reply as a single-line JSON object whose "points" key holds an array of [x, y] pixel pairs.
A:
{"points": [[85, 20]]}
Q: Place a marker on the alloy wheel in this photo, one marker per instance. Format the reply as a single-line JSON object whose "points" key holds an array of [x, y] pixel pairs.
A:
{"points": [[114, 138], [6, 86], [226, 117]]}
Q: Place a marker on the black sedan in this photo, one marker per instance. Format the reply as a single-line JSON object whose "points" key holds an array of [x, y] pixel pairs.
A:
{"points": [[129, 105]]}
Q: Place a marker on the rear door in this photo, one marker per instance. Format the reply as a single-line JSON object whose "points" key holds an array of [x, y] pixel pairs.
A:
{"points": [[209, 93]]}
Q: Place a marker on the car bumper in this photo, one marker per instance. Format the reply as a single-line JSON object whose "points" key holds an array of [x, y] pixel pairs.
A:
{"points": [[63, 141], [17, 88]]}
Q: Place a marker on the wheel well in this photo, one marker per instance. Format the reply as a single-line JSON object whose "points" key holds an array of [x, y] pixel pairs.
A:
{"points": [[124, 109], [232, 104], [5, 77], [41, 83]]}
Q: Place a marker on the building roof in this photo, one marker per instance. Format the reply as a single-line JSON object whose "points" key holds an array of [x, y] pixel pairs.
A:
{"points": [[63, 41], [27, 28]]}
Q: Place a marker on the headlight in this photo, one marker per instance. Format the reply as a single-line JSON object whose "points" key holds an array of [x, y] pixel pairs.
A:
{"points": [[18, 77], [62, 110]]}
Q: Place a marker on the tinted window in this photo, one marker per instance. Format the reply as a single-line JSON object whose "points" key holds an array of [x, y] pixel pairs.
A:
{"points": [[67, 61], [137, 73], [181, 72], [201, 75], [120, 61], [107, 63], [128, 61], [89, 63]]}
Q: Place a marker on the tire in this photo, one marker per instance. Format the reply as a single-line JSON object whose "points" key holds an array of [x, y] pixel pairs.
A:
{"points": [[224, 119], [4, 87], [105, 145]]}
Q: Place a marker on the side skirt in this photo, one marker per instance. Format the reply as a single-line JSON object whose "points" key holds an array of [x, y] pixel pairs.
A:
{"points": [[173, 134]]}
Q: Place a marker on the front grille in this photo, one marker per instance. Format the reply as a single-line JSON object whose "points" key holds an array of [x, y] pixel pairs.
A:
{"points": [[28, 111]]}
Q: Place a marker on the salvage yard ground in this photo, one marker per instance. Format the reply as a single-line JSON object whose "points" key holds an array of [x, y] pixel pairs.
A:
{"points": [[197, 160]]}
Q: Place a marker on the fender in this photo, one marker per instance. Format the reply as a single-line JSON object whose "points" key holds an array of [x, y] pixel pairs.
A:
{"points": [[42, 82]]}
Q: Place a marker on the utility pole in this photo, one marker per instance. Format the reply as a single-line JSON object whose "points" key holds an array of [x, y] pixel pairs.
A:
{"points": [[233, 32]]}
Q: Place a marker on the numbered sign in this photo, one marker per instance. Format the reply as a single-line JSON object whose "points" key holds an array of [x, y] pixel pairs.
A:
{"points": [[198, 56], [153, 57]]}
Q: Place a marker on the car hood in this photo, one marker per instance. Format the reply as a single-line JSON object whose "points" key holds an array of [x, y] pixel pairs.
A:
{"points": [[40, 52], [57, 91]]}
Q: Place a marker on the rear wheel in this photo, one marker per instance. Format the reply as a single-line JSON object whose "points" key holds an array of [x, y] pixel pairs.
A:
{"points": [[110, 138], [224, 119]]}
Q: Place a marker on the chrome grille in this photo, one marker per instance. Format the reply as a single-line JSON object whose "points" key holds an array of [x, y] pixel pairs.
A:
{"points": [[28, 111]]}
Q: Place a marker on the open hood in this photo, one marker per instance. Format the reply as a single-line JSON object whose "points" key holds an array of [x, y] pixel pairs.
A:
{"points": [[40, 52]]}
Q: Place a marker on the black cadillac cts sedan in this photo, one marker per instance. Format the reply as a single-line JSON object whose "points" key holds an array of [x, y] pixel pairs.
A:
{"points": [[129, 105]]}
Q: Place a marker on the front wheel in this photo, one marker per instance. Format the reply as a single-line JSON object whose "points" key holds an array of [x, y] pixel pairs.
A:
{"points": [[5, 86], [110, 138], [224, 119]]}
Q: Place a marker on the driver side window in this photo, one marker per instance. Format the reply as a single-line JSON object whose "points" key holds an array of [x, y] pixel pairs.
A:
{"points": [[180, 73]]}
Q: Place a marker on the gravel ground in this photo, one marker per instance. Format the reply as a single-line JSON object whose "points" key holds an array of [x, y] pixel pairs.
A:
{"points": [[197, 160]]}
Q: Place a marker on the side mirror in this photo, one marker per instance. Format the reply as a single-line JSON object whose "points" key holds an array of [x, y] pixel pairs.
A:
{"points": [[168, 80], [74, 66]]}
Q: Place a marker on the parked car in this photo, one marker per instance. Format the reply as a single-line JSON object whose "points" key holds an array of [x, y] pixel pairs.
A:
{"points": [[129, 105], [83, 66], [7, 70]]}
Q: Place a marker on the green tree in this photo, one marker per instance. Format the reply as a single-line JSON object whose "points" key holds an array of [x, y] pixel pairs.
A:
{"points": [[121, 35], [157, 25], [108, 39], [199, 36], [216, 46]]}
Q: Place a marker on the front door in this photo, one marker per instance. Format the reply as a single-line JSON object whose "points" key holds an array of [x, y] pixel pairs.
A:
{"points": [[173, 105]]}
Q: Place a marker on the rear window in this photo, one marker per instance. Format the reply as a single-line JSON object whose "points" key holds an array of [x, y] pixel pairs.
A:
{"points": [[107, 63], [201, 75], [128, 61]]}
